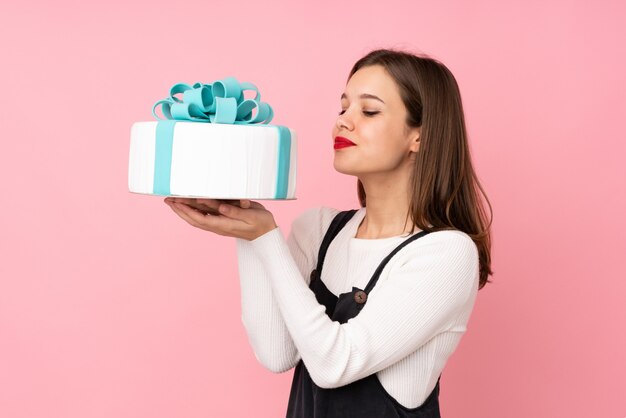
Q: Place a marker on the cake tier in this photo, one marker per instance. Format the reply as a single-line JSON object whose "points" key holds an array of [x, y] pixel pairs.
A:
{"points": [[210, 160]]}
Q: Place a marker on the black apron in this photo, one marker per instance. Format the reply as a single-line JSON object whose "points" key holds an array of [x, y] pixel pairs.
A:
{"points": [[365, 397]]}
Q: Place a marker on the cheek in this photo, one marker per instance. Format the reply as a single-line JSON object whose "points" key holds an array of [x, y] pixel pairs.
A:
{"points": [[387, 146], [377, 137]]}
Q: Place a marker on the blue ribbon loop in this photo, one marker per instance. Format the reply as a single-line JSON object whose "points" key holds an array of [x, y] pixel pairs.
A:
{"points": [[219, 102]]}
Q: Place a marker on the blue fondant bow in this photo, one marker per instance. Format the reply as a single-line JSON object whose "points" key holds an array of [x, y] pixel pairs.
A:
{"points": [[219, 102]]}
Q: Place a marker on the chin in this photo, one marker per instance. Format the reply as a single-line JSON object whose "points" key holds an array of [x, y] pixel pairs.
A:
{"points": [[344, 169]]}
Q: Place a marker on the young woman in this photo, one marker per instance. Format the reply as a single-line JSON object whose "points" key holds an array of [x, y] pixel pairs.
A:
{"points": [[369, 304]]}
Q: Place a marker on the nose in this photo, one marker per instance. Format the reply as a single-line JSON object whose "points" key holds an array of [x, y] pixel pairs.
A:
{"points": [[344, 122]]}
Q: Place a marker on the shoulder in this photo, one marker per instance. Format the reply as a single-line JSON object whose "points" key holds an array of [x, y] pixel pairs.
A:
{"points": [[450, 238], [450, 249]]}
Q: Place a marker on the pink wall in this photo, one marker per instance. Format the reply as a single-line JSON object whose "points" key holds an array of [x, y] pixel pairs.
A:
{"points": [[111, 306]]}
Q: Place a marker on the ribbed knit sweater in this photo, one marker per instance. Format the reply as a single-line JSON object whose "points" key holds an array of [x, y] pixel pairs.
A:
{"points": [[411, 323]]}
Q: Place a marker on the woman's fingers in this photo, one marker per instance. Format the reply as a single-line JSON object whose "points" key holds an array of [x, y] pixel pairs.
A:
{"points": [[234, 212], [234, 209], [211, 203], [199, 220], [240, 219], [214, 203], [256, 205], [178, 208], [205, 208], [203, 205], [220, 225], [185, 200]]}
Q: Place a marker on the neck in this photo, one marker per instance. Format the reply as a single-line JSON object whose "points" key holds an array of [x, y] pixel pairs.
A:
{"points": [[387, 207]]}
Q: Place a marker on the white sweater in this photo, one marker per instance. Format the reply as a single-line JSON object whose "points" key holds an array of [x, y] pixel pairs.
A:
{"points": [[410, 325]]}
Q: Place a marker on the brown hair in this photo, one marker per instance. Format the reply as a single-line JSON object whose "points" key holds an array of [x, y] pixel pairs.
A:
{"points": [[444, 187]]}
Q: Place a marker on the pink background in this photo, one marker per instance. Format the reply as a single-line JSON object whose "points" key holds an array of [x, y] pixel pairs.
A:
{"points": [[112, 306]]}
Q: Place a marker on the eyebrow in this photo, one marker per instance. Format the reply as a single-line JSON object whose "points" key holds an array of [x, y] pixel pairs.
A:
{"points": [[364, 96]]}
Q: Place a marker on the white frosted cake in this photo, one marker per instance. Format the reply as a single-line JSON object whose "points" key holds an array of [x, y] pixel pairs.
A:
{"points": [[213, 143], [212, 160]]}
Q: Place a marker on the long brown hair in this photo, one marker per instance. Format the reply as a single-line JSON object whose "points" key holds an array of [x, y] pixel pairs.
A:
{"points": [[444, 187]]}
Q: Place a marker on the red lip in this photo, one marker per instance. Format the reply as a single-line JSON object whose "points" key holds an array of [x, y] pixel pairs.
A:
{"points": [[341, 142]]}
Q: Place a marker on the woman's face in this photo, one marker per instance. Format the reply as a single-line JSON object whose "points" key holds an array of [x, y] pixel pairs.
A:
{"points": [[373, 117]]}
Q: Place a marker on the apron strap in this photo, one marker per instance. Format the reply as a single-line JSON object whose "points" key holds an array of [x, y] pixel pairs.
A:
{"points": [[383, 263], [339, 221]]}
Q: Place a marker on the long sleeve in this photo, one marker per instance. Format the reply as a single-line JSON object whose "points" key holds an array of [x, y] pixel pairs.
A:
{"points": [[267, 333], [432, 283]]}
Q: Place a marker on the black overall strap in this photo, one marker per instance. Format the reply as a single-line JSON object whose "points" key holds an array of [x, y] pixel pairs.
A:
{"points": [[340, 220], [383, 263]]}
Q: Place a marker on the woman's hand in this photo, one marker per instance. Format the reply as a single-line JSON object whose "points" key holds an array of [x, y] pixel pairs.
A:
{"points": [[231, 218]]}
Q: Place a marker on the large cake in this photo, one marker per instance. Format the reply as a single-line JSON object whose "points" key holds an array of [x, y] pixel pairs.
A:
{"points": [[213, 143]]}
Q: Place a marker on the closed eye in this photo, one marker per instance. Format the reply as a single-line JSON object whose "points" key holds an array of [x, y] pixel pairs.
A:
{"points": [[365, 112]]}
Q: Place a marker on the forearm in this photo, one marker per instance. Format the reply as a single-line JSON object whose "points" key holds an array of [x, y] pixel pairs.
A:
{"points": [[261, 316]]}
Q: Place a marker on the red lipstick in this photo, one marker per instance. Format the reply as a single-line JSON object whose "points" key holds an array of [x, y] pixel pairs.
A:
{"points": [[341, 142]]}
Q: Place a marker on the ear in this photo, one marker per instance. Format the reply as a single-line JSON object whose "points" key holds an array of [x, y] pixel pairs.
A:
{"points": [[414, 136]]}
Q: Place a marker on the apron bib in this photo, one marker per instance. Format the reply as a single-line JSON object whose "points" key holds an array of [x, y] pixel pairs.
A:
{"points": [[365, 397]]}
